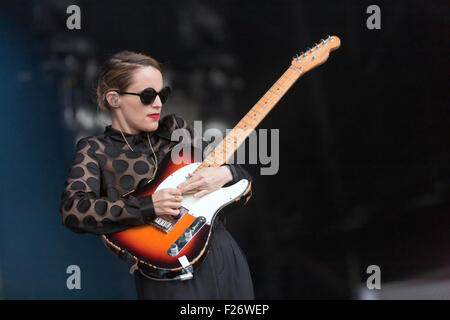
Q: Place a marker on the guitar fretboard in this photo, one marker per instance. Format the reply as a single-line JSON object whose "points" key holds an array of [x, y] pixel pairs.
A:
{"points": [[226, 148]]}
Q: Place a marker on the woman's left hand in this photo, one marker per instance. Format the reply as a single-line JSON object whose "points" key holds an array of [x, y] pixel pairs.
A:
{"points": [[206, 180]]}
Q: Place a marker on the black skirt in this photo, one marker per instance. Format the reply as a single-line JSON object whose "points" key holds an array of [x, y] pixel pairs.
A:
{"points": [[223, 275]]}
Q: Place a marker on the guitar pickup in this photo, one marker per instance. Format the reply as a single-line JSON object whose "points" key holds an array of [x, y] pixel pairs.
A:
{"points": [[167, 222], [186, 236]]}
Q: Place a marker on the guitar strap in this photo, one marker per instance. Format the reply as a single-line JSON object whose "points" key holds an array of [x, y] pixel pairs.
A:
{"points": [[130, 260]]}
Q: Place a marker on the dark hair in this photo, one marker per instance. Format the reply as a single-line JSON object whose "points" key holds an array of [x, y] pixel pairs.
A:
{"points": [[117, 73]]}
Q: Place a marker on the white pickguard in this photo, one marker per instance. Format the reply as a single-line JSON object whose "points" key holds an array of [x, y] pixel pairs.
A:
{"points": [[206, 205]]}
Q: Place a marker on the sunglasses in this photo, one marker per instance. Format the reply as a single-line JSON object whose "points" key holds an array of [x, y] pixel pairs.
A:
{"points": [[148, 95]]}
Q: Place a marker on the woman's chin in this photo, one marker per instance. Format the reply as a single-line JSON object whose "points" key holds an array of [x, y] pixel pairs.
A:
{"points": [[151, 126]]}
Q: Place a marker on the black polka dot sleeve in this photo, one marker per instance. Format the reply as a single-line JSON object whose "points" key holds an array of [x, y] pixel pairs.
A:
{"points": [[91, 201]]}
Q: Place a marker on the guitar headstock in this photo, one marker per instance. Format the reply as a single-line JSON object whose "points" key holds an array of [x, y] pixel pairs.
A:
{"points": [[316, 55]]}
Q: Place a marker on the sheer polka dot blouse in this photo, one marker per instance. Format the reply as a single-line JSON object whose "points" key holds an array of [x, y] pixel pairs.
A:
{"points": [[104, 168]]}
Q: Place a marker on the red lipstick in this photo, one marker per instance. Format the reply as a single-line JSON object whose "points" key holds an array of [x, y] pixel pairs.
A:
{"points": [[153, 115]]}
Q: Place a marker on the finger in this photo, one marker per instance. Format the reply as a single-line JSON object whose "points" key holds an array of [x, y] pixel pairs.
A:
{"points": [[173, 205], [174, 197], [188, 185], [174, 191], [192, 186], [173, 212], [170, 193], [193, 178], [201, 193]]}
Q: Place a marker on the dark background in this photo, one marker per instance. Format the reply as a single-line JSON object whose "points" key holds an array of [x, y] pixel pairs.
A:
{"points": [[364, 176]]}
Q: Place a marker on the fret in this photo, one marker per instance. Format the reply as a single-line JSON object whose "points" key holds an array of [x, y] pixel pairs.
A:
{"points": [[215, 164], [263, 106], [229, 150], [294, 76], [240, 135], [236, 132], [217, 155], [225, 152], [278, 90], [234, 145], [275, 98], [249, 116], [292, 80], [248, 124], [275, 93], [296, 69], [261, 114], [229, 145], [269, 99], [285, 83], [223, 156], [204, 165], [207, 160], [251, 120], [281, 85]]}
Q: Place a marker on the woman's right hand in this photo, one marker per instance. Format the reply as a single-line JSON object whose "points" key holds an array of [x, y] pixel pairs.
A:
{"points": [[167, 201]]}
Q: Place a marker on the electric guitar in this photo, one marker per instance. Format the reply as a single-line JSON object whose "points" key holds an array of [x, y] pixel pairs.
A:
{"points": [[169, 247]]}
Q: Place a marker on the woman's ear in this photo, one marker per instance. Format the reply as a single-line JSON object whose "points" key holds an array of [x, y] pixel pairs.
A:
{"points": [[113, 99]]}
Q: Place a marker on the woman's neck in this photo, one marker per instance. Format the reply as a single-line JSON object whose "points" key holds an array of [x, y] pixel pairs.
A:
{"points": [[122, 126]]}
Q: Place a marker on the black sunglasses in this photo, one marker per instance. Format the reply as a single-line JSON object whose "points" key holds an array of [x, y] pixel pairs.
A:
{"points": [[148, 95]]}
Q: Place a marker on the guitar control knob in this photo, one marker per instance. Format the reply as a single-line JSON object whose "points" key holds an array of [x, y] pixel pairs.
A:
{"points": [[173, 250], [188, 234]]}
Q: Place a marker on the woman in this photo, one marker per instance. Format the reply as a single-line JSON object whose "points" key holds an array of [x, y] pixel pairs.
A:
{"points": [[107, 167]]}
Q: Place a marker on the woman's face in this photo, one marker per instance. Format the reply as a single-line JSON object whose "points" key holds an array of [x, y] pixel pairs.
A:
{"points": [[133, 116]]}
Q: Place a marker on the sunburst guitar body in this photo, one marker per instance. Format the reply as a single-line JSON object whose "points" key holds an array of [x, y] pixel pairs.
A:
{"points": [[159, 248]]}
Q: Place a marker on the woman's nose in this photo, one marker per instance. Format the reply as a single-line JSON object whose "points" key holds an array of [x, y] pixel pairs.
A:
{"points": [[157, 103]]}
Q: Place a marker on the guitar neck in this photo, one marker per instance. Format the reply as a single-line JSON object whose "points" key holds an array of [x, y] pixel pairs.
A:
{"points": [[228, 146], [301, 64]]}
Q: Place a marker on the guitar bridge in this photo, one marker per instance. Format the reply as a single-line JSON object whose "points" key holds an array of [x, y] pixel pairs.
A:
{"points": [[167, 222]]}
